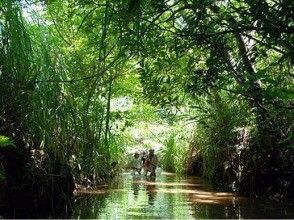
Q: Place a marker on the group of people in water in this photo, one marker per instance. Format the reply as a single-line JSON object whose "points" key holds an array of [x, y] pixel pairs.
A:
{"points": [[145, 162]]}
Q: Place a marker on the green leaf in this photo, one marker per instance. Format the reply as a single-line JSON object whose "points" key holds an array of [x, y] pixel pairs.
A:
{"points": [[5, 142]]}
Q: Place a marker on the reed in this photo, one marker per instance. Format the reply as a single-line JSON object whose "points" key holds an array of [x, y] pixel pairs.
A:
{"points": [[65, 119]]}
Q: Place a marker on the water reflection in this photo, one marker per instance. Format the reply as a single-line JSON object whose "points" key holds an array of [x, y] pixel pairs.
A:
{"points": [[151, 190], [170, 197], [136, 185]]}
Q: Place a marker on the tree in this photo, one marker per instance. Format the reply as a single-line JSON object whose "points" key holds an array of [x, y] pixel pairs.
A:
{"points": [[234, 46]]}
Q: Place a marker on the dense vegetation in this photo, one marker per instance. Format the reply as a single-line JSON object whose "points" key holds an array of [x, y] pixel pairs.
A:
{"points": [[82, 82]]}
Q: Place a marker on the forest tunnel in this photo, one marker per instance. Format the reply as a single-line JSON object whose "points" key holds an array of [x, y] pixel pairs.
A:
{"points": [[85, 85]]}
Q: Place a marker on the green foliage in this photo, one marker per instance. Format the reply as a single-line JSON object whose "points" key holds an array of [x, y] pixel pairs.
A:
{"points": [[222, 65], [169, 154], [45, 88], [215, 135], [5, 142], [173, 155]]}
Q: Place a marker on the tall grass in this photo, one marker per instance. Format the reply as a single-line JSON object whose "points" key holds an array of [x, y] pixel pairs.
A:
{"points": [[69, 121], [169, 154], [173, 156], [216, 132]]}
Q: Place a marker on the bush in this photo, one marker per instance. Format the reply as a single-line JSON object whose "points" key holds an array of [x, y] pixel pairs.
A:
{"points": [[216, 136], [174, 153]]}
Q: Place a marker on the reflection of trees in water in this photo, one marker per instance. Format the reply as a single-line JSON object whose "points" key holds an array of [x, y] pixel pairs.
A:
{"points": [[176, 199], [201, 210], [151, 190], [88, 206]]}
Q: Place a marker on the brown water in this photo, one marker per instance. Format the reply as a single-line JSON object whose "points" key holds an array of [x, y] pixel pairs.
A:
{"points": [[170, 197]]}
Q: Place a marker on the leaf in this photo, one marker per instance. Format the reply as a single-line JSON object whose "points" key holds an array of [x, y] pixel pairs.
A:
{"points": [[5, 142]]}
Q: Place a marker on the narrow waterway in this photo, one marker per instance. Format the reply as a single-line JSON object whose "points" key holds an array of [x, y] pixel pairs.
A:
{"points": [[170, 197]]}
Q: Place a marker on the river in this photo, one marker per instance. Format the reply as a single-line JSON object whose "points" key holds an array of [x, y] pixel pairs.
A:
{"points": [[170, 197]]}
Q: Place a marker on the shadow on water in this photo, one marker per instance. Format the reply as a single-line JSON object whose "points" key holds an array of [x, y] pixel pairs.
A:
{"points": [[170, 197]]}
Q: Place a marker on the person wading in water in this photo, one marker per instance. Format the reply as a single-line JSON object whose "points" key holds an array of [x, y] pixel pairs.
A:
{"points": [[136, 164], [151, 163]]}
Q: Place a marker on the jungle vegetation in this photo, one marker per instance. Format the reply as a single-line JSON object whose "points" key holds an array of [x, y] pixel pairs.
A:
{"points": [[82, 82]]}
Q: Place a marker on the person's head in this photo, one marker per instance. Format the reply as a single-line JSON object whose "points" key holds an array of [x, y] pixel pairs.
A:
{"points": [[151, 152], [114, 163]]}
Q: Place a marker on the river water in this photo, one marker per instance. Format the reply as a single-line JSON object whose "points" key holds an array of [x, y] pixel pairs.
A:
{"points": [[170, 197]]}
